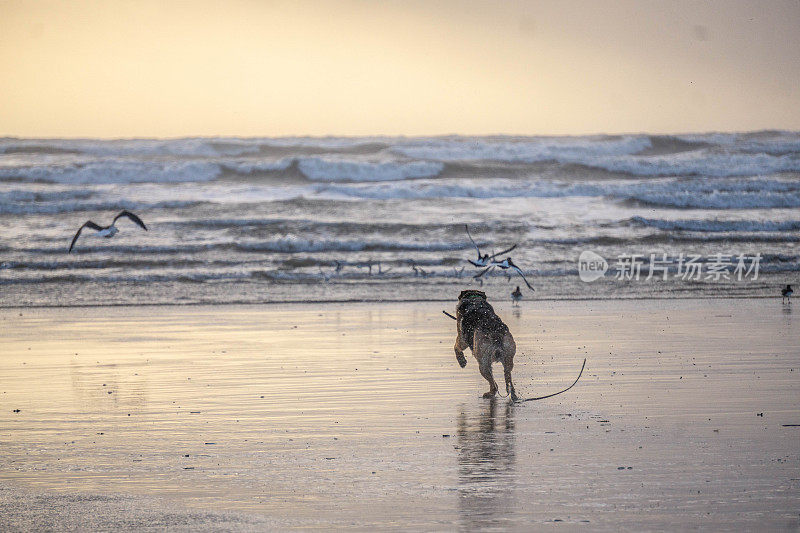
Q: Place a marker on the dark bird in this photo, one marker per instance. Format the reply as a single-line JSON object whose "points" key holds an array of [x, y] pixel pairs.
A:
{"points": [[787, 293], [107, 231], [516, 296], [418, 271], [484, 259]]}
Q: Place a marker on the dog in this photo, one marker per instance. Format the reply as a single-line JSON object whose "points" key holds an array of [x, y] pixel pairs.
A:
{"points": [[481, 330]]}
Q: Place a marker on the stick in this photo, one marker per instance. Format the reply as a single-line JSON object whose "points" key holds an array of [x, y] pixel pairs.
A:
{"points": [[448, 314], [559, 392]]}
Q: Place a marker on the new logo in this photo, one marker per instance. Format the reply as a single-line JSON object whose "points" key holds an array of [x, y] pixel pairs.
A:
{"points": [[591, 266]]}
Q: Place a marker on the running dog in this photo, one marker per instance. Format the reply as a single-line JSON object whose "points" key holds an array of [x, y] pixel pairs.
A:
{"points": [[482, 331]]}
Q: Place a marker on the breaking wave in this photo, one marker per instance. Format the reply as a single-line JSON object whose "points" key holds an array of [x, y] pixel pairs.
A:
{"points": [[323, 169], [113, 171], [389, 159], [694, 193], [523, 150]]}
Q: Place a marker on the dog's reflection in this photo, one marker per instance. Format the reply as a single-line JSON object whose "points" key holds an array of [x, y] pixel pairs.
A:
{"points": [[486, 471]]}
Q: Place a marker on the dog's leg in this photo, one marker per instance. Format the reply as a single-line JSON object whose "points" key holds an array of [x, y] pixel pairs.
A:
{"points": [[483, 351], [459, 348], [509, 349], [507, 367], [486, 371]]}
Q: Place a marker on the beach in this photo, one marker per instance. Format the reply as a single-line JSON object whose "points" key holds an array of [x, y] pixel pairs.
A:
{"points": [[234, 237], [357, 416]]}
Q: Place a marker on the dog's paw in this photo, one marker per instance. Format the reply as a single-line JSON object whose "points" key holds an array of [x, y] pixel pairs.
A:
{"points": [[461, 360], [489, 394]]}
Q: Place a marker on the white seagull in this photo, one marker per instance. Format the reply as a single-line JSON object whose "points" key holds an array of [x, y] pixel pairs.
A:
{"points": [[107, 231], [505, 264], [484, 259]]}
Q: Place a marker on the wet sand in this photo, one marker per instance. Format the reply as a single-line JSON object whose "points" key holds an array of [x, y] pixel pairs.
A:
{"points": [[358, 416]]}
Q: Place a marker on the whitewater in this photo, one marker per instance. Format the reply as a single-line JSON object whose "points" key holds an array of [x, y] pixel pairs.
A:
{"points": [[254, 220]]}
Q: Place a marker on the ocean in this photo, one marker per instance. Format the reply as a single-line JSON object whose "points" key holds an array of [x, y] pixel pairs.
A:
{"points": [[259, 220]]}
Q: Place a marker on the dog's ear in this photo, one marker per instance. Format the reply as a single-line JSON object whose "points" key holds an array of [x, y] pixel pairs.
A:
{"points": [[471, 292]]}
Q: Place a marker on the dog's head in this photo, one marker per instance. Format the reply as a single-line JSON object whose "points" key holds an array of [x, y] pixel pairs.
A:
{"points": [[472, 294]]}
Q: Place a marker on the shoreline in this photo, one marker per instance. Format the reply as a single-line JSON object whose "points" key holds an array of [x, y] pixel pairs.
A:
{"points": [[382, 301]]}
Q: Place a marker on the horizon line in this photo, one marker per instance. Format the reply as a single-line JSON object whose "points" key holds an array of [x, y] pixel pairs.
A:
{"points": [[388, 135]]}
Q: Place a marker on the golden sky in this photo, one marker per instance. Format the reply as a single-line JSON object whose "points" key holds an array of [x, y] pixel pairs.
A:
{"points": [[124, 68]]}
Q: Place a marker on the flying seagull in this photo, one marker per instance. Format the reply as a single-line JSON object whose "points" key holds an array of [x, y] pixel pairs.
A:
{"points": [[484, 259], [107, 231], [505, 264], [787, 293]]}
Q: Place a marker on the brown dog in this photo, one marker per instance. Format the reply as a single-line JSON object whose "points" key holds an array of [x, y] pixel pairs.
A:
{"points": [[482, 331]]}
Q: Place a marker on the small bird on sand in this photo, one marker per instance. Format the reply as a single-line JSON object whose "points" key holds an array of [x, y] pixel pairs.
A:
{"points": [[516, 296], [484, 259], [787, 293], [107, 231]]}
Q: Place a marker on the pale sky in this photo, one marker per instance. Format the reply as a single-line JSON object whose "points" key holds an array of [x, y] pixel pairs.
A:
{"points": [[162, 68]]}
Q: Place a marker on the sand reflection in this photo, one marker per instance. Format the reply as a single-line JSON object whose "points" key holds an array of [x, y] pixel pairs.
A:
{"points": [[486, 465]]}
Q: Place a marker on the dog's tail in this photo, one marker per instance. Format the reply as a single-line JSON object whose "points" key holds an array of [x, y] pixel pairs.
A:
{"points": [[559, 392]]}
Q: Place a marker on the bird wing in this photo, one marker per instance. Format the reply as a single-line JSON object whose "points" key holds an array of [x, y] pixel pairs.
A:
{"points": [[136, 219], [487, 269], [87, 224], [473, 242], [501, 264], [503, 252], [515, 267]]}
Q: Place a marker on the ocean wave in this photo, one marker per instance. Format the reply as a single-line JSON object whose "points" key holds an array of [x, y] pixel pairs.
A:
{"points": [[114, 171], [345, 227], [666, 192], [86, 248], [770, 142], [523, 150], [72, 170], [689, 199], [252, 165], [633, 155], [296, 245], [22, 196], [84, 161], [36, 207], [127, 278], [115, 263], [287, 244], [328, 169], [187, 147], [335, 169], [450, 188], [330, 143], [667, 238], [696, 163], [717, 225]]}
